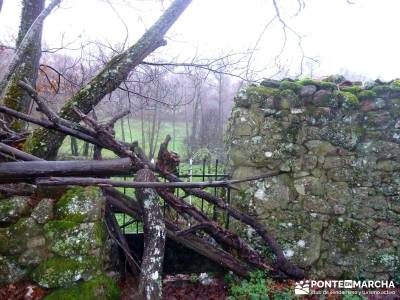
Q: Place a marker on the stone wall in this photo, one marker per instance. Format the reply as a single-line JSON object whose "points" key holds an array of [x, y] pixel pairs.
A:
{"points": [[335, 208], [57, 244]]}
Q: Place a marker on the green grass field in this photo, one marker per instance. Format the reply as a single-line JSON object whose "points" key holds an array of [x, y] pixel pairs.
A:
{"points": [[132, 131]]}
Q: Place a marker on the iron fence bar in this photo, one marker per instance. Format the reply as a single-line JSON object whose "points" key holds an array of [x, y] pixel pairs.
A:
{"points": [[203, 175], [128, 223], [228, 200], [215, 190], [203, 178]]}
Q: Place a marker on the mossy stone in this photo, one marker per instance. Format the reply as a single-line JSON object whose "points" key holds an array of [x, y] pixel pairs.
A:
{"points": [[44, 211], [366, 94], [349, 100], [62, 272], [10, 271], [336, 78], [324, 98], [13, 208], [352, 89], [68, 238], [81, 204], [270, 83], [22, 233]]}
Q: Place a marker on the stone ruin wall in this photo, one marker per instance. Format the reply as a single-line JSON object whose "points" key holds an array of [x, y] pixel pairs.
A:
{"points": [[61, 245], [335, 208]]}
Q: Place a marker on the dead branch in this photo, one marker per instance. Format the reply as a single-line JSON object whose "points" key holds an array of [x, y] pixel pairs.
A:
{"points": [[219, 234], [193, 229], [128, 205], [49, 125], [87, 181], [114, 119], [115, 232], [18, 153], [29, 170], [7, 191], [49, 112]]}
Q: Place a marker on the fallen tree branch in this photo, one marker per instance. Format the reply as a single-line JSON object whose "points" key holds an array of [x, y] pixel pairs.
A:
{"points": [[18, 153], [193, 229], [85, 181], [49, 112], [281, 263], [6, 191], [27, 171], [128, 205], [222, 236], [49, 125], [115, 233]]}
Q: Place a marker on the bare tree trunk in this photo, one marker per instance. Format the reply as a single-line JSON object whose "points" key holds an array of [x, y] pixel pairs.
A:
{"points": [[187, 132], [220, 128], [44, 143], [85, 151], [142, 129], [123, 130], [173, 127], [152, 130], [25, 65], [157, 133], [150, 286], [195, 121], [74, 147], [96, 149]]}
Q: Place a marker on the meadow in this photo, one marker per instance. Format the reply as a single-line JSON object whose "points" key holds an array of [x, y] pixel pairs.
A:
{"points": [[132, 130]]}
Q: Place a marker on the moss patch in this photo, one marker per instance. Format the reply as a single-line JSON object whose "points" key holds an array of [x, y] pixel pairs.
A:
{"points": [[366, 94], [261, 90], [349, 100], [290, 85], [100, 288]]}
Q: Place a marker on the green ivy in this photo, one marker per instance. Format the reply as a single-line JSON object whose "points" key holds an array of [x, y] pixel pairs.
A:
{"points": [[256, 287]]}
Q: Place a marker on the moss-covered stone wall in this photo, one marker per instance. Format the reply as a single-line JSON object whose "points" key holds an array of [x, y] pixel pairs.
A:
{"points": [[61, 245], [336, 206]]}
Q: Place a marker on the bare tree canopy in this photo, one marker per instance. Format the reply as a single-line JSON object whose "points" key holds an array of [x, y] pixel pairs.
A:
{"points": [[108, 79]]}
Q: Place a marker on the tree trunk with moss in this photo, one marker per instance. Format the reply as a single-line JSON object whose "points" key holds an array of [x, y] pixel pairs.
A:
{"points": [[45, 143], [28, 66], [150, 286]]}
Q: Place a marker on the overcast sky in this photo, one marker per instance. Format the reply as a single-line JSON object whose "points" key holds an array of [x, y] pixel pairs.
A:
{"points": [[361, 38]]}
